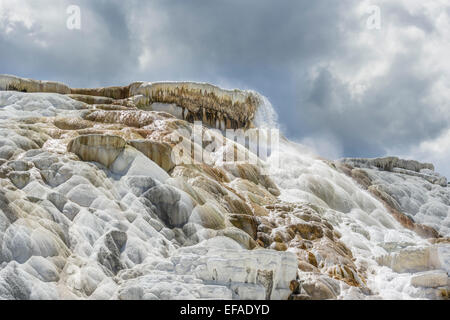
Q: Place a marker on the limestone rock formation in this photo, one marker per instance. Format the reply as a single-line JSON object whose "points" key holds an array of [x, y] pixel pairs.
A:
{"points": [[389, 163], [430, 279], [219, 108], [413, 259], [414, 194], [93, 205], [160, 153], [12, 83], [201, 101], [103, 149]]}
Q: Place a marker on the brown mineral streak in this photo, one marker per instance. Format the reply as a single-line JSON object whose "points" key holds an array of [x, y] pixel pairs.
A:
{"points": [[205, 102], [219, 108], [362, 178]]}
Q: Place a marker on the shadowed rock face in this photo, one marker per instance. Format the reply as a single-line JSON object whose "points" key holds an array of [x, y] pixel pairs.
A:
{"points": [[220, 108], [190, 101], [103, 149], [159, 152], [108, 92], [12, 83]]}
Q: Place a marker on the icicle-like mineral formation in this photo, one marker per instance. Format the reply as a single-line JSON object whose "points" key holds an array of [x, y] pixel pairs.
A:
{"points": [[216, 107]]}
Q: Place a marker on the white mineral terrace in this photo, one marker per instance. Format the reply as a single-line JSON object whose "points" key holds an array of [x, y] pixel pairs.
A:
{"points": [[92, 205], [220, 108]]}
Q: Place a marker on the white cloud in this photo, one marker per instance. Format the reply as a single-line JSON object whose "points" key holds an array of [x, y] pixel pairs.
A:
{"points": [[386, 91]]}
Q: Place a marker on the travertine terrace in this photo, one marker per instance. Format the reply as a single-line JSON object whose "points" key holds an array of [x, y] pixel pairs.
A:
{"points": [[92, 205]]}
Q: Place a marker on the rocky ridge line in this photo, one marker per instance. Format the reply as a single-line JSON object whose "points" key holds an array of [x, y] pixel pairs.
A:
{"points": [[220, 108]]}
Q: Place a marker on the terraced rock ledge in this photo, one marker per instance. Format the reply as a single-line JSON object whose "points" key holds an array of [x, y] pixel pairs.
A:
{"points": [[222, 109], [93, 205]]}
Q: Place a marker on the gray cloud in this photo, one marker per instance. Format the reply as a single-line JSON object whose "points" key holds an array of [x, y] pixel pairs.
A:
{"points": [[391, 113], [306, 56]]}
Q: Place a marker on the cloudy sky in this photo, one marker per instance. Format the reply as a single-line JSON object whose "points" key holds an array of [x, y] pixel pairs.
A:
{"points": [[338, 83]]}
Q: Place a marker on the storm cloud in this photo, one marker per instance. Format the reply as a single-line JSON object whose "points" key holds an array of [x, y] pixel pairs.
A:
{"points": [[337, 85]]}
